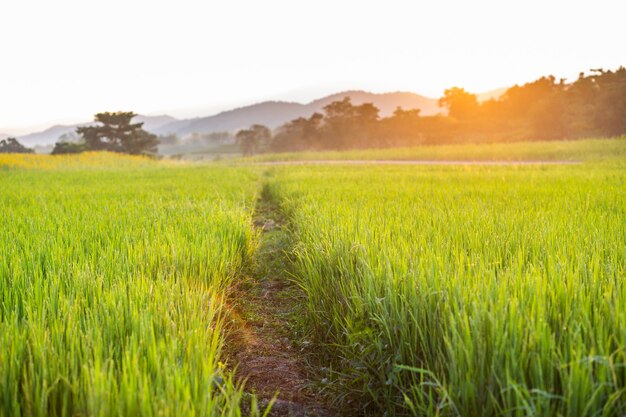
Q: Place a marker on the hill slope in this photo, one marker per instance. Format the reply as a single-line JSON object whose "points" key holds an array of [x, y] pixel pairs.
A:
{"points": [[275, 113]]}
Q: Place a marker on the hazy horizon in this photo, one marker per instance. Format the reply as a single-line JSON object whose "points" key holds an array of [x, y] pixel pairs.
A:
{"points": [[197, 112], [193, 59]]}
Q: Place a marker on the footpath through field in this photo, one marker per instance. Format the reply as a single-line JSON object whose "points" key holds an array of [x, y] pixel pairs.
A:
{"points": [[264, 345]]}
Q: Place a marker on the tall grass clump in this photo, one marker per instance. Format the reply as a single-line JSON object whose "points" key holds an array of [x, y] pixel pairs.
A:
{"points": [[467, 291], [110, 287]]}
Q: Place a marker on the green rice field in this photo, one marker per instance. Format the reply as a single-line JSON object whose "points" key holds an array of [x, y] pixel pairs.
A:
{"points": [[111, 288], [429, 290], [471, 291]]}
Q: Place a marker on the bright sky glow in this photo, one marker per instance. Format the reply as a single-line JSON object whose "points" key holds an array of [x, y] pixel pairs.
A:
{"points": [[64, 60]]}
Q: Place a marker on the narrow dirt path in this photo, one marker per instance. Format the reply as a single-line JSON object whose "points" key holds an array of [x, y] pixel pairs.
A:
{"points": [[264, 343]]}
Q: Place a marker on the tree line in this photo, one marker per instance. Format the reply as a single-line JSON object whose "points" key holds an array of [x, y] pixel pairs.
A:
{"points": [[12, 145], [545, 109]]}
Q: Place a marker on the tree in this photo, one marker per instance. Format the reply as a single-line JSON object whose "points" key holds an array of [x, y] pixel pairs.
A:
{"points": [[460, 104], [347, 126], [403, 128], [63, 147], [609, 111], [11, 145], [69, 142], [116, 133], [251, 140], [298, 134]]}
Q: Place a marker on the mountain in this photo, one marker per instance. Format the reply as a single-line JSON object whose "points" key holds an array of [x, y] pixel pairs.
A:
{"points": [[48, 136], [153, 123], [269, 113], [52, 134], [275, 113], [387, 103], [4, 136]]}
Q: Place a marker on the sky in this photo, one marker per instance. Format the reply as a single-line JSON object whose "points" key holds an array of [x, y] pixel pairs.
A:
{"points": [[62, 61]]}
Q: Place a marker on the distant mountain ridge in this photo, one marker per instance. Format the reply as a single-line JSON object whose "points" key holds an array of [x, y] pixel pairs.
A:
{"points": [[276, 113], [268, 113]]}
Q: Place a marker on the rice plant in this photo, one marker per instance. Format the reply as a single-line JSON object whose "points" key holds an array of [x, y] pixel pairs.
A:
{"points": [[111, 285], [467, 291], [441, 291]]}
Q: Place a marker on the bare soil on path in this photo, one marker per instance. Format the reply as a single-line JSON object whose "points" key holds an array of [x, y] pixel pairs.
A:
{"points": [[264, 345]]}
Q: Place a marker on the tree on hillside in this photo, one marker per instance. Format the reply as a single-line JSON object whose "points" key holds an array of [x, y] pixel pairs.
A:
{"points": [[347, 125], [608, 113], [298, 134], [341, 126], [403, 128], [65, 147], [69, 142], [116, 133], [11, 145], [460, 104], [251, 140]]}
